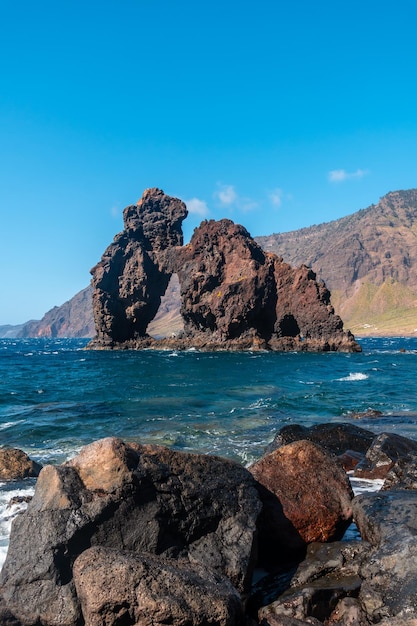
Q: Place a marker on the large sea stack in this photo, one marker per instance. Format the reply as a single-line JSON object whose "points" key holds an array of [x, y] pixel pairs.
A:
{"points": [[234, 296]]}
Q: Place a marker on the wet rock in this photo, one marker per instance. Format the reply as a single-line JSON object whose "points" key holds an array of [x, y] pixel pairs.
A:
{"points": [[130, 497], [403, 474], [385, 451], [365, 414], [348, 612], [388, 520], [16, 465], [312, 487], [333, 437], [116, 587], [350, 459]]}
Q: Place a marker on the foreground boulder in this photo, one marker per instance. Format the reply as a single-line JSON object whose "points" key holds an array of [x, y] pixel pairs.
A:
{"points": [[312, 487], [386, 450], [16, 465], [388, 521], [127, 497], [118, 587], [234, 296]]}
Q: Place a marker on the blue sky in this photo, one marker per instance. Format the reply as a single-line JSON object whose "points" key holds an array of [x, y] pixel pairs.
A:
{"points": [[275, 114]]}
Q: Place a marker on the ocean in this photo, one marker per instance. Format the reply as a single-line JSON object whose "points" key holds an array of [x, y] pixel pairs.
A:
{"points": [[55, 397]]}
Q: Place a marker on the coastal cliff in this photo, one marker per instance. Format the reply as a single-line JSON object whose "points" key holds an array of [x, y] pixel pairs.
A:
{"points": [[234, 296]]}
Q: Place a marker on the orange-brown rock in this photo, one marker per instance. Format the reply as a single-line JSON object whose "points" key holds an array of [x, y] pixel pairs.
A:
{"points": [[312, 487], [15, 465]]}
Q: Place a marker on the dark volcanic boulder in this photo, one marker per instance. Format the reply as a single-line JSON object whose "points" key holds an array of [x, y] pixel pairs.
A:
{"points": [[16, 465], [403, 474], [116, 587], [312, 487], [336, 437], [127, 497], [386, 450], [388, 521]]}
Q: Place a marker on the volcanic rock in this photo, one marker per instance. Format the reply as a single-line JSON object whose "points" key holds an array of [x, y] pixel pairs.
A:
{"points": [[134, 271], [312, 487], [16, 465], [388, 521], [337, 438], [117, 587], [227, 286], [127, 497], [384, 452], [233, 295], [403, 474]]}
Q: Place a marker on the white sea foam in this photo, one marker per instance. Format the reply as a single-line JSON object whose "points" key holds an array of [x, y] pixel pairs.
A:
{"points": [[353, 376], [8, 513]]}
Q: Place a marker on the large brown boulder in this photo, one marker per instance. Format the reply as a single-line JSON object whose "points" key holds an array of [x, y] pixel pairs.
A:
{"points": [[127, 497], [117, 587], [16, 465], [312, 487]]}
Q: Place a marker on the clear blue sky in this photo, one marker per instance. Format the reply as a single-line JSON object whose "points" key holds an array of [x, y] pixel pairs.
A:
{"points": [[275, 114]]}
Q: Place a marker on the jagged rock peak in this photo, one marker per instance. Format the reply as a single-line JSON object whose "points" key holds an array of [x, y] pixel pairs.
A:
{"points": [[156, 218], [135, 269]]}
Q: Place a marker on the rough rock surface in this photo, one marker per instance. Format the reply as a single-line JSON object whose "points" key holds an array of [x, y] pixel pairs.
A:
{"points": [[336, 438], [327, 575], [403, 474], [388, 520], [312, 487], [233, 295], [384, 452], [129, 497], [16, 465], [116, 587], [134, 271]]}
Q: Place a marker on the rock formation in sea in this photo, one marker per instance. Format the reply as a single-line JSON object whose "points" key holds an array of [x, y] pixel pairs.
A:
{"points": [[134, 271], [233, 294]]}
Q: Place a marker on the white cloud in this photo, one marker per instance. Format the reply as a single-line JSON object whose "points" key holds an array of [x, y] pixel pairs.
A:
{"points": [[226, 194], [196, 206], [275, 197], [339, 176], [115, 211]]}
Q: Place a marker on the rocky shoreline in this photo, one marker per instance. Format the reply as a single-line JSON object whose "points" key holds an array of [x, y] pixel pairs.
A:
{"points": [[127, 534]]}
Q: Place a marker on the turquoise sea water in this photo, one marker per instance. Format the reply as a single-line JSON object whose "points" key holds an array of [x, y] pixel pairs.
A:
{"points": [[56, 397]]}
